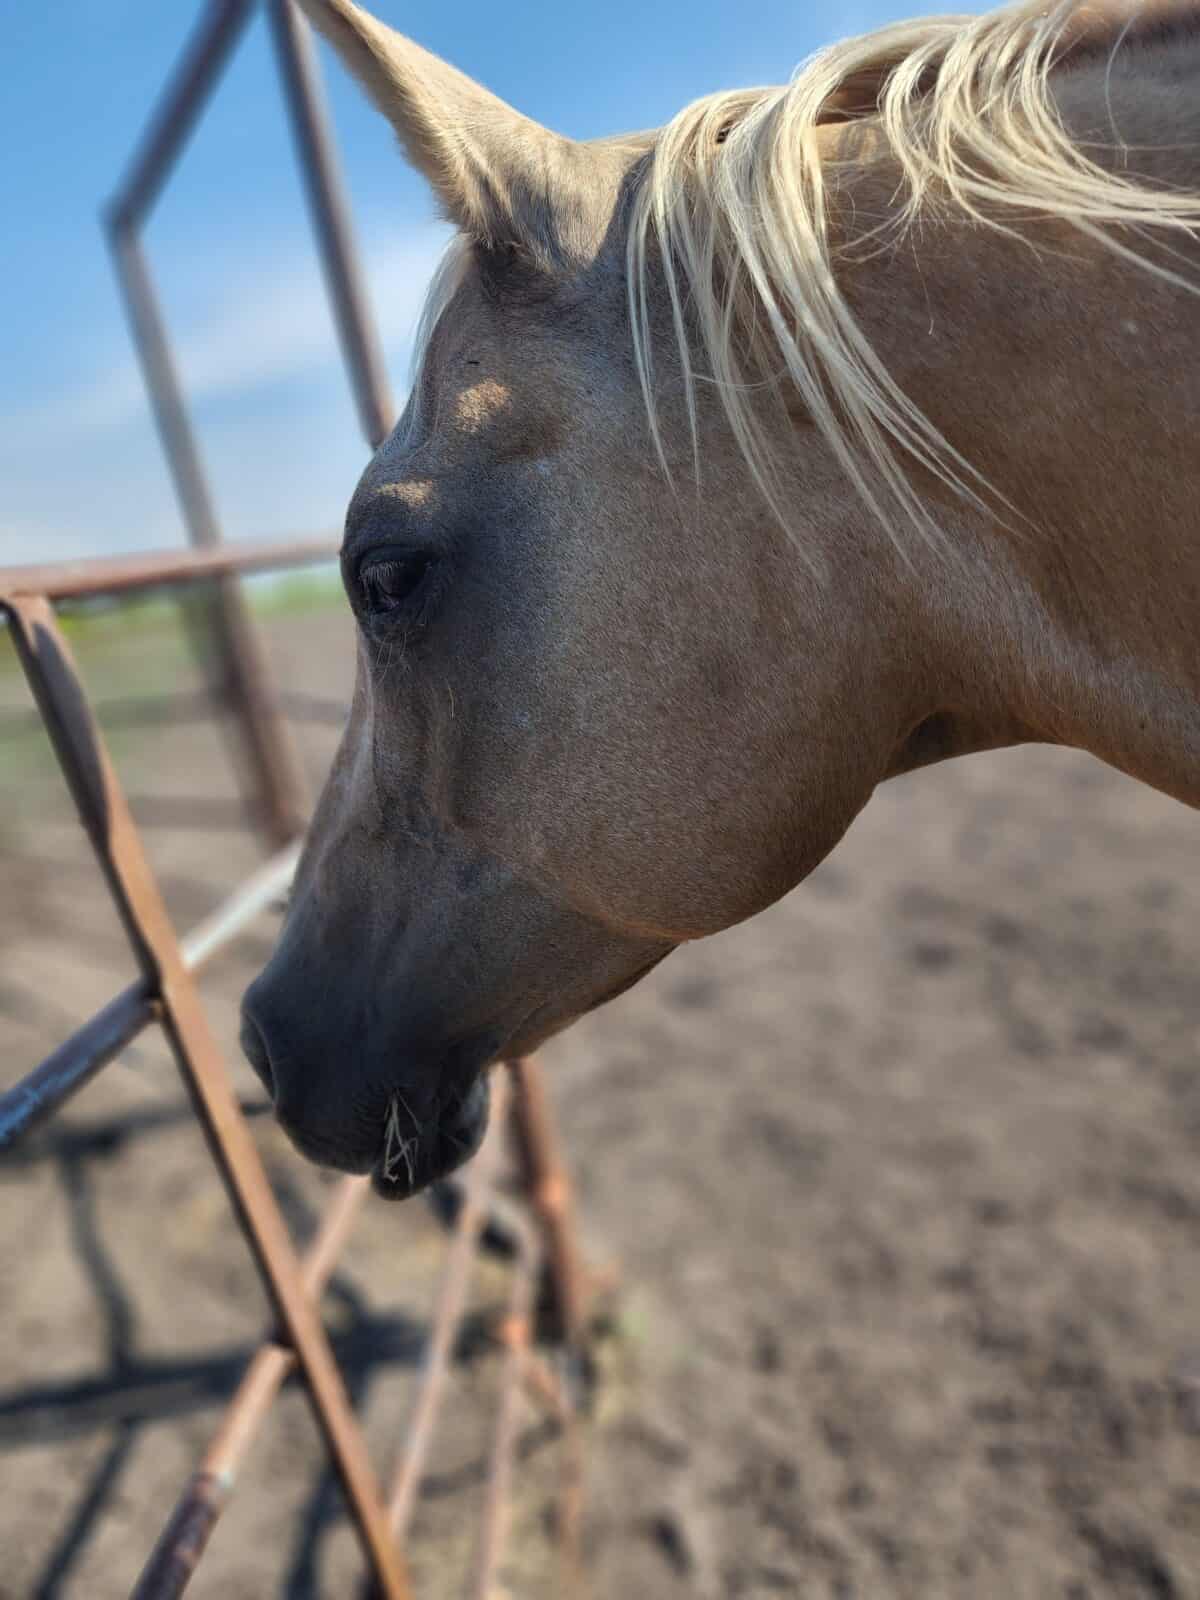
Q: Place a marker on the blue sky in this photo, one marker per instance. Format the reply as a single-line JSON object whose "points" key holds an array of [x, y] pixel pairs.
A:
{"points": [[80, 467]]}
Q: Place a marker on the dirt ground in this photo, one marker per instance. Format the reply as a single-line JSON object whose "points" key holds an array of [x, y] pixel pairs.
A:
{"points": [[903, 1178]]}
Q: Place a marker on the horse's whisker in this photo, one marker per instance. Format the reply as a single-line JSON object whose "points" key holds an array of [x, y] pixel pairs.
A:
{"points": [[397, 1150]]}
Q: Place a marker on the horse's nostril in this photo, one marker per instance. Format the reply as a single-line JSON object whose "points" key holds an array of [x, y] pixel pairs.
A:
{"points": [[254, 1048]]}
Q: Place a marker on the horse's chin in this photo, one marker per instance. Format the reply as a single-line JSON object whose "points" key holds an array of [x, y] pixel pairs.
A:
{"points": [[437, 1147], [434, 1150], [549, 1021]]}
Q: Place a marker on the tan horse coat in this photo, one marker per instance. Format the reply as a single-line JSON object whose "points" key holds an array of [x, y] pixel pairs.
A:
{"points": [[831, 431]]}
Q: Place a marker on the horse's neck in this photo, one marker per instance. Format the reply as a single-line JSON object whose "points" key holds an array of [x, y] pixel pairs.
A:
{"points": [[1071, 378], [1078, 622], [1106, 657]]}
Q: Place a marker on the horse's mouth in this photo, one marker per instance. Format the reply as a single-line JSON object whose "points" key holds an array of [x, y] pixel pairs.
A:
{"points": [[416, 1153]]}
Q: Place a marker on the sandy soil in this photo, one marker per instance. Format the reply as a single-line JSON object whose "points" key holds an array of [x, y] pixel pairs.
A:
{"points": [[903, 1178]]}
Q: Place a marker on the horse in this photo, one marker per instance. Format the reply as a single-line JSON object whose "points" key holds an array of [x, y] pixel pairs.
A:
{"points": [[829, 431]]}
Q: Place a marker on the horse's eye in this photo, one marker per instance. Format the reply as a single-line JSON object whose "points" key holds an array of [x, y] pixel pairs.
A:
{"points": [[388, 585]]}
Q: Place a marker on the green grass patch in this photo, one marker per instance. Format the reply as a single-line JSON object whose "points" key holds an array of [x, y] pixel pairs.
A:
{"points": [[134, 646], [94, 623]]}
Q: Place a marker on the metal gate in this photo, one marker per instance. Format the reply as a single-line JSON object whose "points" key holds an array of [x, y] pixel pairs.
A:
{"points": [[165, 993]]}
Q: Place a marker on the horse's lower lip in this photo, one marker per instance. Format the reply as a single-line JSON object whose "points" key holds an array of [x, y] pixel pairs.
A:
{"points": [[434, 1157], [390, 1188], [402, 1184], [439, 1148]]}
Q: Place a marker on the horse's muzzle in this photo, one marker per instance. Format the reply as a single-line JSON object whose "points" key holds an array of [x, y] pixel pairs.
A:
{"points": [[415, 1138]]}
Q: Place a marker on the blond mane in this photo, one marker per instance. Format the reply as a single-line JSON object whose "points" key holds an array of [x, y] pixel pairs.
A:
{"points": [[734, 207]]}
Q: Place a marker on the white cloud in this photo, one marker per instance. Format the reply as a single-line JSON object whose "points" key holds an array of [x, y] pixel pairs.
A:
{"points": [[270, 322], [82, 466]]}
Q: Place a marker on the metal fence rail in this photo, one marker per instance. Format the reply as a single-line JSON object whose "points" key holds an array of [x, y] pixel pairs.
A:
{"points": [[166, 994], [268, 753]]}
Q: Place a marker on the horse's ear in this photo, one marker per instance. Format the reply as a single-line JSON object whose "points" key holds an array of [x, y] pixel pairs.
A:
{"points": [[499, 176]]}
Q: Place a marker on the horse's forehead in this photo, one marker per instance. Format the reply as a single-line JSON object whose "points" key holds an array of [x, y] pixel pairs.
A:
{"points": [[480, 403], [479, 357], [495, 381]]}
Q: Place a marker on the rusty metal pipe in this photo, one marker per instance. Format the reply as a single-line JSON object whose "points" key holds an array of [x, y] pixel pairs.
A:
{"points": [[179, 105], [181, 1544], [447, 1313], [276, 780], [77, 1060], [159, 569], [80, 749], [361, 349], [549, 1189], [516, 1333], [74, 1063], [242, 906]]}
